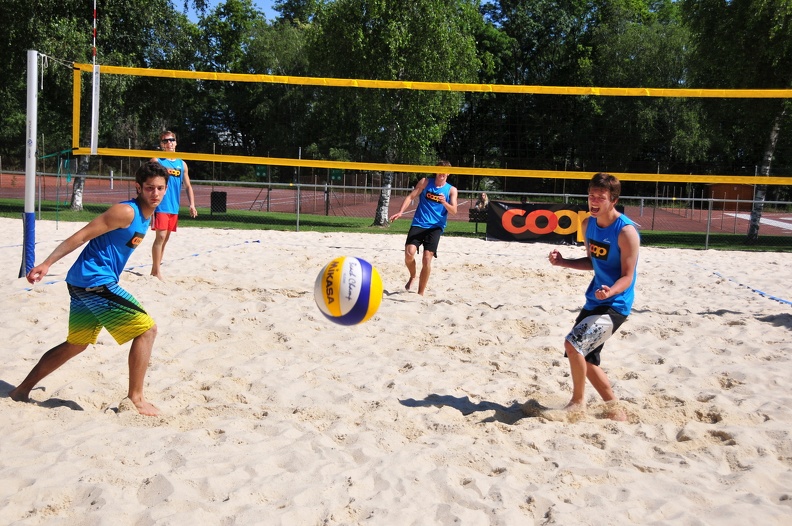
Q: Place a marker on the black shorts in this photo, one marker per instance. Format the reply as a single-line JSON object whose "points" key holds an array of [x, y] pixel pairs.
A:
{"points": [[592, 328], [428, 237]]}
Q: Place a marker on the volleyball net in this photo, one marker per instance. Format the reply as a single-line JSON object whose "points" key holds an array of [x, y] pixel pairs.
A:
{"points": [[95, 149], [359, 180]]}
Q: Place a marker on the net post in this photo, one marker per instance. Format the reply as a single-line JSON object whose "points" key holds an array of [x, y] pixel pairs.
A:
{"points": [[29, 216], [95, 110], [76, 88]]}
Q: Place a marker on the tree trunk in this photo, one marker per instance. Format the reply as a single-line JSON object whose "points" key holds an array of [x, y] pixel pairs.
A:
{"points": [[381, 217], [764, 170], [79, 184]]}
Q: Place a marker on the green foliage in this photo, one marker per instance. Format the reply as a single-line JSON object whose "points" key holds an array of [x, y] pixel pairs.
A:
{"points": [[297, 12], [622, 43], [274, 118], [742, 44], [642, 44], [394, 40]]}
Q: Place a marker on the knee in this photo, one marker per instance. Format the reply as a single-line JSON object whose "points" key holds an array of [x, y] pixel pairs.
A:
{"points": [[151, 333]]}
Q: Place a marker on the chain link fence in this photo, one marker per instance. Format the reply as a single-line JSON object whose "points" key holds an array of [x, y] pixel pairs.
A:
{"points": [[664, 219]]}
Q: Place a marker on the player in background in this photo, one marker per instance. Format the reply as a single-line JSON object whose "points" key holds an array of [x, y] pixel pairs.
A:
{"points": [[166, 217], [436, 199]]}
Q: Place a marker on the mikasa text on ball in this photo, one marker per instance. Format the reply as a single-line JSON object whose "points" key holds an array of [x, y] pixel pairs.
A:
{"points": [[348, 290]]}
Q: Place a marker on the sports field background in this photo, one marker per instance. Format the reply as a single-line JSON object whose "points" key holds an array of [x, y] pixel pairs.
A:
{"points": [[260, 201]]}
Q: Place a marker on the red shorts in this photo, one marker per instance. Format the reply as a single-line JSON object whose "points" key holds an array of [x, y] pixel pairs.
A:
{"points": [[163, 221]]}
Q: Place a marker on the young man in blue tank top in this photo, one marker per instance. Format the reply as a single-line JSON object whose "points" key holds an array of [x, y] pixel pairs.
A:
{"points": [[612, 243], [166, 216], [436, 199], [96, 298]]}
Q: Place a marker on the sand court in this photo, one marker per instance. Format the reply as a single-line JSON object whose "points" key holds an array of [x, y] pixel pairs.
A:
{"points": [[444, 409]]}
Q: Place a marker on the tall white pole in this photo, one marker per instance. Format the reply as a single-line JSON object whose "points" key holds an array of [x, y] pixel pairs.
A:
{"points": [[95, 92], [31, 130]]}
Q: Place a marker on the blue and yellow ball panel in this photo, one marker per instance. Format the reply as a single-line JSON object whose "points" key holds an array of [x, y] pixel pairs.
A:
{"points": [[348, 290]]}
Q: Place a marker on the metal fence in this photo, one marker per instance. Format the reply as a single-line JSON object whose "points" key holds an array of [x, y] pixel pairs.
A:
{"points": [[706, 222]]}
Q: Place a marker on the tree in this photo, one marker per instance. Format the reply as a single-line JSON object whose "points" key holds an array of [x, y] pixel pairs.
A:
{"points": [[226, 35], [277, 116], [549, 43], [473, 136], [744, 44], [130, 33], [78, 185], [54, 28], [297, 12], [394, 40], [641, 43]]}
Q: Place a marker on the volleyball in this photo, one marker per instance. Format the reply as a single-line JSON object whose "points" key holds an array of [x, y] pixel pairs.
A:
{"points": [[348, 290]]}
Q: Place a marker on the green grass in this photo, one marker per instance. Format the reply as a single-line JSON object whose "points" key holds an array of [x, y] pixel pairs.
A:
{"points": [[697, 240], [255, 220], [243, 220]]}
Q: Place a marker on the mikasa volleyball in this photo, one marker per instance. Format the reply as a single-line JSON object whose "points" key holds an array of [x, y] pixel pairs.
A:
{"points": [[348, 290]]}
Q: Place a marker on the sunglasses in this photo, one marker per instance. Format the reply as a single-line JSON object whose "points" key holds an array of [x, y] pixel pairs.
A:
{"points": [[169, 139]]}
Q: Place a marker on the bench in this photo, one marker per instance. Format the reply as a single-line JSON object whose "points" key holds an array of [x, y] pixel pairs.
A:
{"points": [[477, 216]]}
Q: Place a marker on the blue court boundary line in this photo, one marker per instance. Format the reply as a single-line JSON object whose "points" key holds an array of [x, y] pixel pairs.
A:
{"points": [[131, 268], [753, 289]]}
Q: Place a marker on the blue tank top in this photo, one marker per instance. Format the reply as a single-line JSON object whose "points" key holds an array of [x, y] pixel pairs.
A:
{"points": [[103, 259], [605, 256], [430, 212], [170, 202]]}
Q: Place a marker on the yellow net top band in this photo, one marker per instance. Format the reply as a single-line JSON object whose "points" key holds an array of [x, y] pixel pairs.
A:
{"points": [[442, 86]]}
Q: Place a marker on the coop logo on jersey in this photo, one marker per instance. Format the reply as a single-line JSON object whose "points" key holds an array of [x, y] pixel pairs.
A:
{"points": [[598, 250], [136, 240], [174, 172], [433, 197]]}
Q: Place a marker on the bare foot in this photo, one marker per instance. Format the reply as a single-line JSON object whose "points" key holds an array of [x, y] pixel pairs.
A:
{"points": [[17, 396], [617, 416], [575, 407], [158, 276], [614, 411], [144, 407], [409, 283]]}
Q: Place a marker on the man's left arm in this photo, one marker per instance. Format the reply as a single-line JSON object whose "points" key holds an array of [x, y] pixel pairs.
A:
{"points": [[190, 194], [629, 242], [452, 205]]}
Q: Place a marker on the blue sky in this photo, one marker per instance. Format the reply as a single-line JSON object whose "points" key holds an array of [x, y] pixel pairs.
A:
{"points": [[264, 6]]}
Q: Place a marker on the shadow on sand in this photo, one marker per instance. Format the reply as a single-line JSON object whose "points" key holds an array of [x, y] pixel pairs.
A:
{"points": [[50, 403], [504, 414]]}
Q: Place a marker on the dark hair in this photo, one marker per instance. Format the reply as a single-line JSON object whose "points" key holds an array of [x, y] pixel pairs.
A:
{"points": [[607, 182], [151, 169], [443, 163]]}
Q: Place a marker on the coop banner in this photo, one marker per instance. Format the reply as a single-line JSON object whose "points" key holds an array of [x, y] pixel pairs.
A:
{"points": [[530, 222]]}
